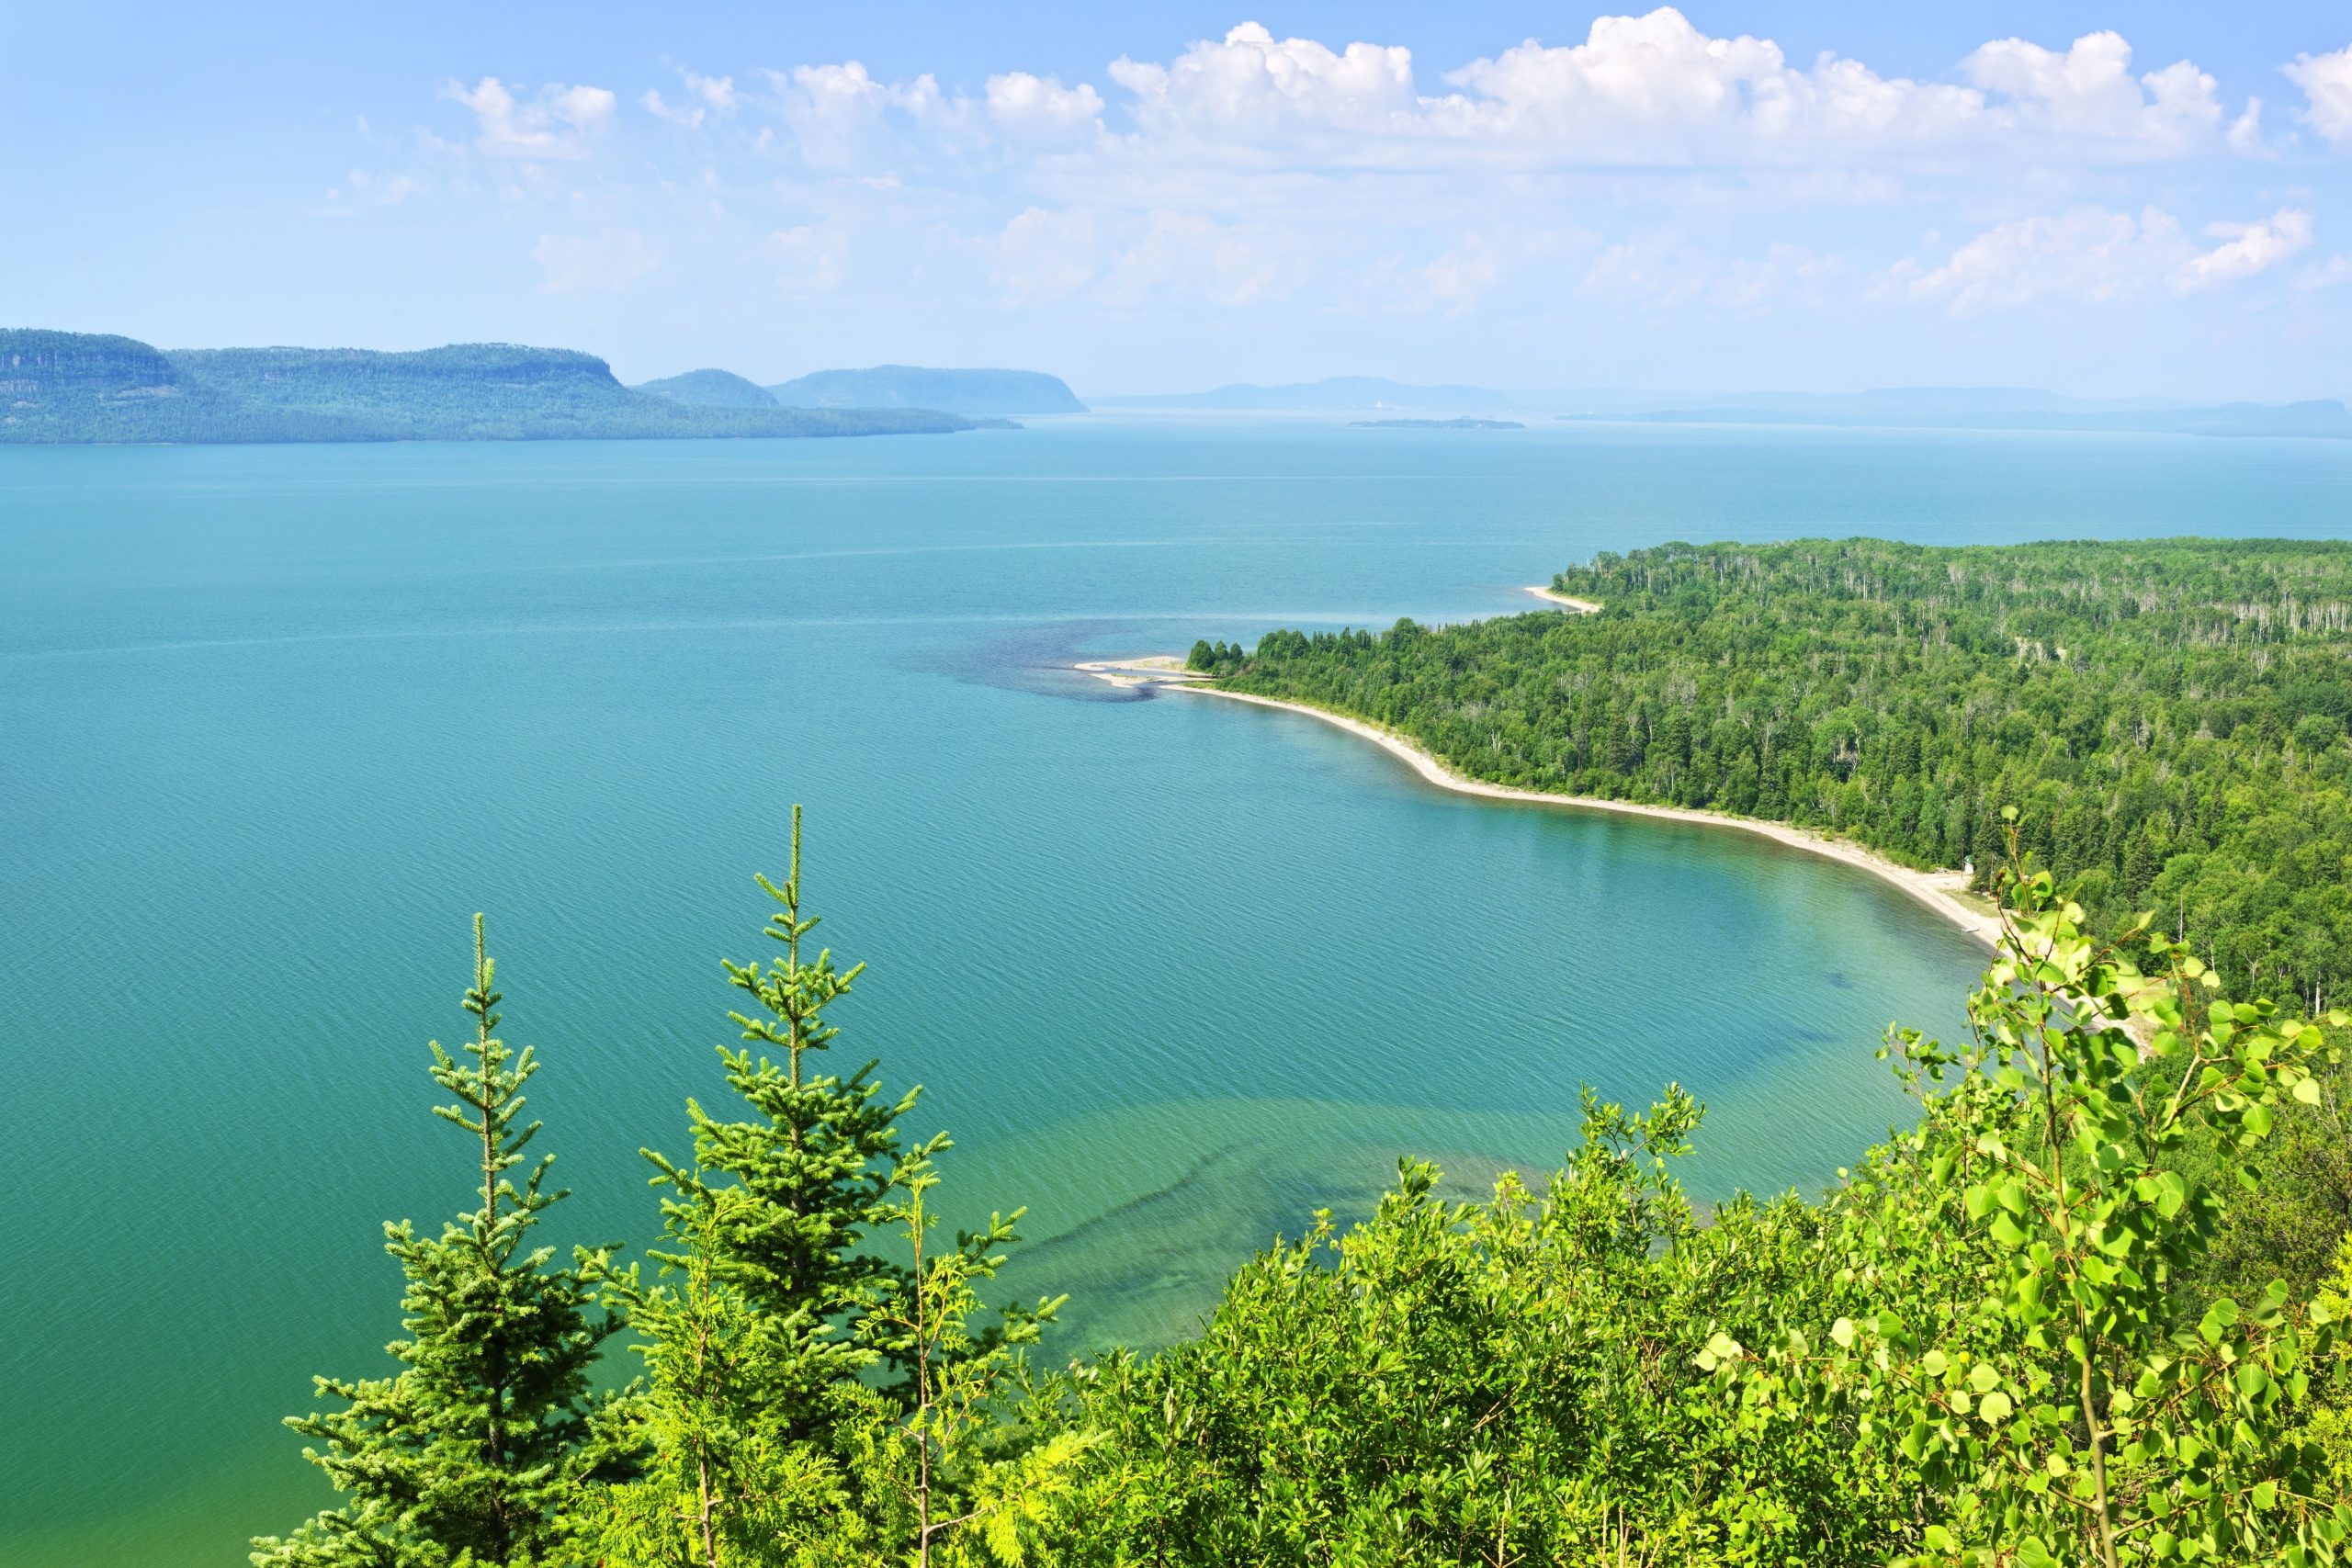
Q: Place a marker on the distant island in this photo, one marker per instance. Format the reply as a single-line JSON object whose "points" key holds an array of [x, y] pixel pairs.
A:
{"points": [[1464, 423], [69, 388], [971, 394], [977, 394]]}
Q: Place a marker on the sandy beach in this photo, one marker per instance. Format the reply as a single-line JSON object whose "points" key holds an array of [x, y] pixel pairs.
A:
{"points": [[1934, 890], [1566, 602]]}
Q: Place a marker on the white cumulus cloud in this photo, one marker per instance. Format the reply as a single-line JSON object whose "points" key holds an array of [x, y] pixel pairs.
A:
{"points": [[1642, 161], [1655, 89], [2088, 91], [2245, 132], [556, 123], [1253, 85], [841, 114], [2326, 82], [1040, 108], [716, 92], [2247, 248], [705, 97]]}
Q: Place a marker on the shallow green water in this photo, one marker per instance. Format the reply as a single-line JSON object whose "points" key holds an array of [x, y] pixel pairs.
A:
{"points": [[275, 721]]}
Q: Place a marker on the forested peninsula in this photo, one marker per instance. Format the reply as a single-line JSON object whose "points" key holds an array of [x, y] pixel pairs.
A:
{"points": [[78, 388], [2169, 717]]}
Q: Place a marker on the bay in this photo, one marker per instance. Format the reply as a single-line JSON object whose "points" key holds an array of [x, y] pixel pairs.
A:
{"points": [[275, 721]]}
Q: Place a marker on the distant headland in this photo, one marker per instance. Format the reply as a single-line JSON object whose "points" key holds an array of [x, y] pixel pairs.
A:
{"points": [[1463, 423], [79, 388], [974, 394]]}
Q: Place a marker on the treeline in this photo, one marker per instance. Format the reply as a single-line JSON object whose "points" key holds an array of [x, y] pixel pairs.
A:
{"points": [[2168, 716], [1980, 1347]]}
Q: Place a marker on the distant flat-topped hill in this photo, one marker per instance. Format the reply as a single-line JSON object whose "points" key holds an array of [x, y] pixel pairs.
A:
{"points": [[711, 390], [75, 387], [978, 394]]}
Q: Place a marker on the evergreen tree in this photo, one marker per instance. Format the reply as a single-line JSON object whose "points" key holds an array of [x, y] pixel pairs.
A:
{"points": [[722, 1481], [765, 1438], [956, 1374], [476, 1451], [808, 1169]]}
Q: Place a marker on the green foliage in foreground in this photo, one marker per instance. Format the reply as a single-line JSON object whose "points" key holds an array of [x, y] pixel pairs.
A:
{"points": [[1979, 1349], [2169, 717]]}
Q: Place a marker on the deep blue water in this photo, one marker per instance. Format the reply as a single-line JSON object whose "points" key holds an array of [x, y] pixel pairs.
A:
{"points": [[275, 721]]}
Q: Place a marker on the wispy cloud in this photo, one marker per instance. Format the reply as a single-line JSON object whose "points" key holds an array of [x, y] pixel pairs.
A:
{"points": [[607, 261], [2092, 255]]}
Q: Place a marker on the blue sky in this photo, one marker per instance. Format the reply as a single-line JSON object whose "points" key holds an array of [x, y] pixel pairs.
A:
{"points": [[2109, 200]]}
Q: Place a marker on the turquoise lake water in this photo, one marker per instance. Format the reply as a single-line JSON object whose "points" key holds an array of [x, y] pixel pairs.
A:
{"points": [[275, 721]]}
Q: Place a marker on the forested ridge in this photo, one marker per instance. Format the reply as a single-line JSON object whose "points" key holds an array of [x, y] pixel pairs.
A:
{"points": [[2168, 716], [2013, 1336], [60, 387]]}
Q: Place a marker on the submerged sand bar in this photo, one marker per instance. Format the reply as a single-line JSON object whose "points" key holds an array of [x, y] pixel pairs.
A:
{"points": [[1938, 890]]}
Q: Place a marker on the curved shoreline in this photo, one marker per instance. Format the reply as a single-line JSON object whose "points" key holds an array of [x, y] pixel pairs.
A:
{"points": [[1934, 889]]}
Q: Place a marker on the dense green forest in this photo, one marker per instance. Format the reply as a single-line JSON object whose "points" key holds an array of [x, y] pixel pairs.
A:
{"points": [[72, 387], [2168, 716], [1999, 1338]]}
